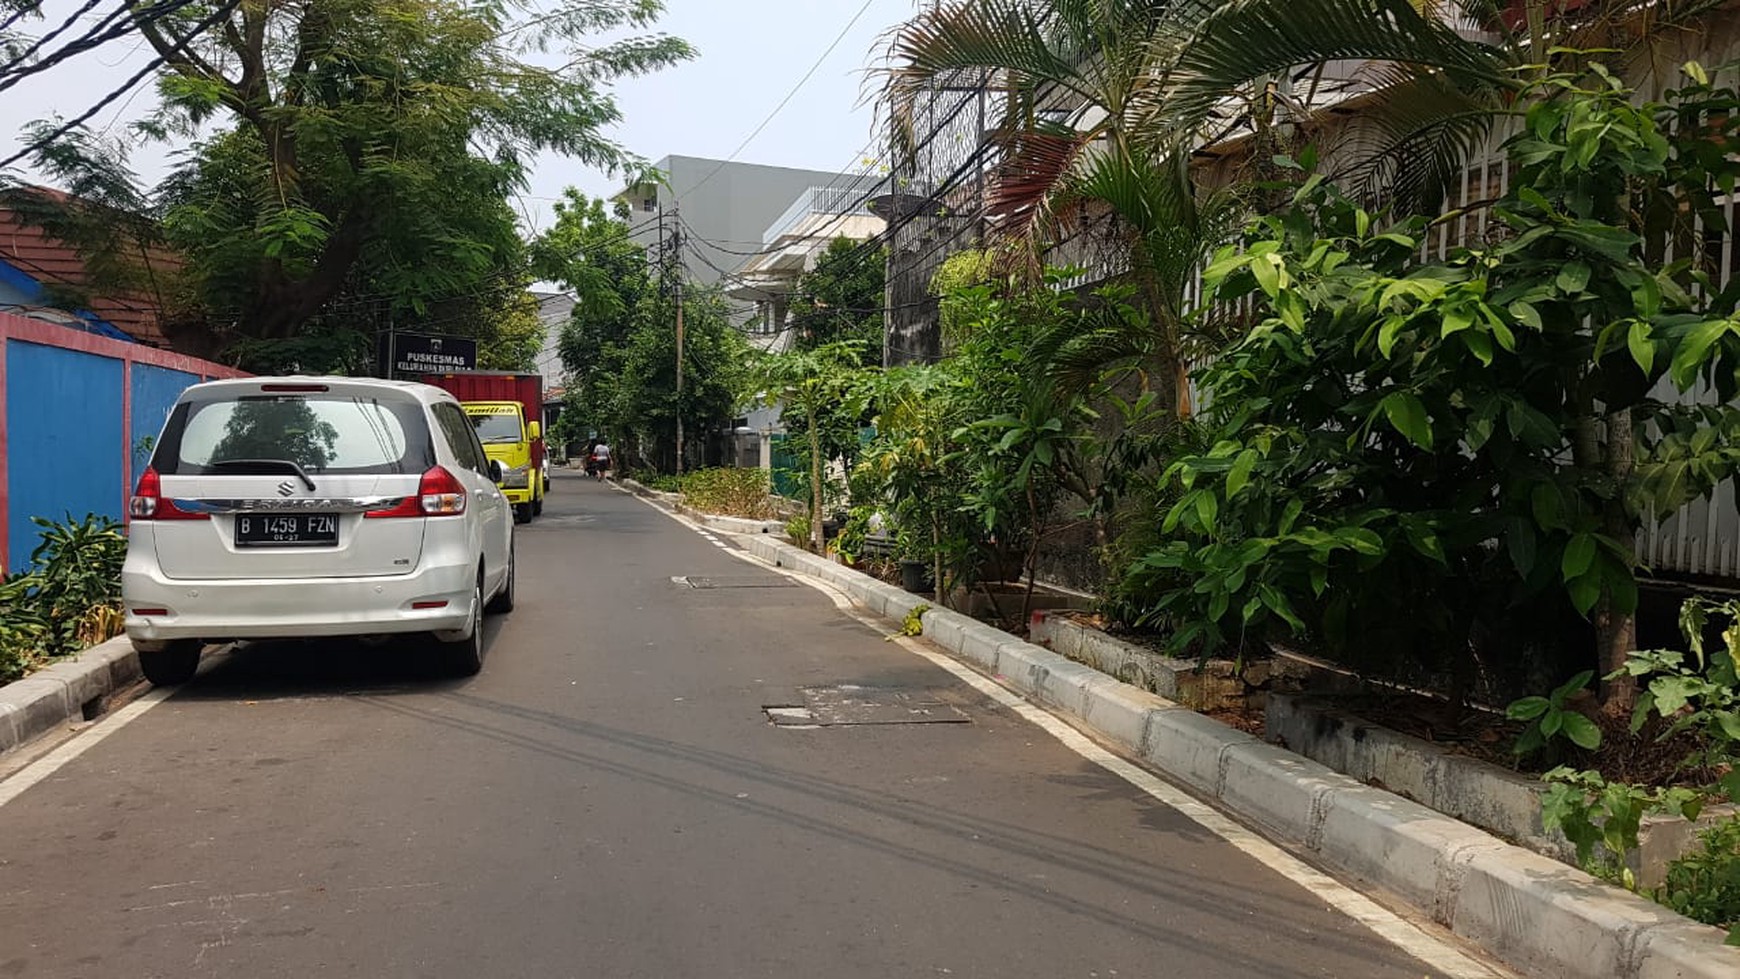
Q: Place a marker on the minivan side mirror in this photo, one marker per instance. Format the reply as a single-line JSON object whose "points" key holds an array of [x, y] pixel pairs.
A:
{"points": [[496, 473], [536, 430]]}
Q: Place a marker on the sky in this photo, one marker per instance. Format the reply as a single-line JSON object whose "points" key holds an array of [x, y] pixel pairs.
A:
{"points": [[751, 53]]}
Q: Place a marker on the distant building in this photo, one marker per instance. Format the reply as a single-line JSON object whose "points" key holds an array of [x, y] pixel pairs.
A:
{"points": [[725, 208], [790, 247], [554, 309]]}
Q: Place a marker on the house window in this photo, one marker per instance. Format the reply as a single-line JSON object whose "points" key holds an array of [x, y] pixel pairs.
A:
{"points": [[649, 204]]}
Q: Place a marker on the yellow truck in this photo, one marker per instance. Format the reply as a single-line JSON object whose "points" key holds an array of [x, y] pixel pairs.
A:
{"points": [[504, 408]]}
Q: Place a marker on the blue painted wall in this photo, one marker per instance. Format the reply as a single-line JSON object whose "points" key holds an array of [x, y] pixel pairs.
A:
{"points": [[63, 431], [154, 392]]}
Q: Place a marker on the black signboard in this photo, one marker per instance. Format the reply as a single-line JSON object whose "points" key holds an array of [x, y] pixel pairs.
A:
{"points": [[416, 354]]}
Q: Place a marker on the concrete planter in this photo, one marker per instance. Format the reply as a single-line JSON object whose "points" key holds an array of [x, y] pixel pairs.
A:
{"points": [[1207, 685], [1009, 595], [1500, 801]]}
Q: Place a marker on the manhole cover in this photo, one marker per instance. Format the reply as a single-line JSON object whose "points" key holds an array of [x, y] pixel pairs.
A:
{"points": [[850, 705], [736, 581]]}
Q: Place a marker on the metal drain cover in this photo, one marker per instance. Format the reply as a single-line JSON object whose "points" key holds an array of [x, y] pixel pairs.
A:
{"points": [[851, 705], [736, 581]]}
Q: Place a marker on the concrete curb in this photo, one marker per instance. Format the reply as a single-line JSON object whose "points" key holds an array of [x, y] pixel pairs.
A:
{"points": [[70, 690], [1537, 915]]}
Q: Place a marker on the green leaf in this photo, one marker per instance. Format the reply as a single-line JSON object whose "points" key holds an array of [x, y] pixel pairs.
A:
{"points": [[1585, 591], [1424, 540], [1481, 421], [1729, 722], [1206, 508], [1573, 278], [1642, 350], [1407, 414], [1579, 554], [1545, 502], [1241, 472], [1271, 277], [1582, 731], [1689, 358], [1520, 541], [1526, 709], [1525, 314], [1672, 693], [1386, 339], [1456, 320], [1290, 514], [1480, 345]]}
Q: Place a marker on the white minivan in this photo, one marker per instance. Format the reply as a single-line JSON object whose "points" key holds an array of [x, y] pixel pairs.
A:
{"points": [[294, 507]]}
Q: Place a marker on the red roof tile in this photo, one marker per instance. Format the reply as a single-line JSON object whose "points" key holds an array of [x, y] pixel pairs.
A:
{"points": [[50, 261]]}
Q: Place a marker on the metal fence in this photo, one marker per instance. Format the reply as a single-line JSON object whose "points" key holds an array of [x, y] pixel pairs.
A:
{"points": [[78, 414]]}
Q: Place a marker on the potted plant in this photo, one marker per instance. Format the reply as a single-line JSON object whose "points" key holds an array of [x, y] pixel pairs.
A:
{"points": [[916, 573]]}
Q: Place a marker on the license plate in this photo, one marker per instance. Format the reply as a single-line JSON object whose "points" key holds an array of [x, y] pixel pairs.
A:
{"points": [[282, 529]]}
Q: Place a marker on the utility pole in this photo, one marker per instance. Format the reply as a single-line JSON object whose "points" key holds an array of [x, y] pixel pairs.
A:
{"points": [[677, 236]]}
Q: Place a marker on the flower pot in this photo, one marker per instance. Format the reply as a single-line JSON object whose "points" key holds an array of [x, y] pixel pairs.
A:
{"points": [[915, 576]]}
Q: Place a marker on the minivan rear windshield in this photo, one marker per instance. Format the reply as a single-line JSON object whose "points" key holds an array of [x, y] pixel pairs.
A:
{"points": [[325, 433]]}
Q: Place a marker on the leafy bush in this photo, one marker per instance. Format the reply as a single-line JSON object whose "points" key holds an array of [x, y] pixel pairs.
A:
{"points": [[68, 599], [729, 492], [1436, 458], [1704, 885]]}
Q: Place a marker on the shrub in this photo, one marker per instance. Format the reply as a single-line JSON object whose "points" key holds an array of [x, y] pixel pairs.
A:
{"points": [[729, 492], [1704, 885], [68, 599]]}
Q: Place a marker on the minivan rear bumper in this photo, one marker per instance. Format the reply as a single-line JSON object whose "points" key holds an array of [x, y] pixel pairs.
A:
{"points": [[285, 608]]}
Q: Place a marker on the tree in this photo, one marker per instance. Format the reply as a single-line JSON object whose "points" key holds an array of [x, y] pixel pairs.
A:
{"points": [[840, 299], [814, 384], [361, 152]]}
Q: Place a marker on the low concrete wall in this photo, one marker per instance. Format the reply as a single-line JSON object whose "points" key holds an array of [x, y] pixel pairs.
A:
{"points": [[1204, 686], [1500, 801]]}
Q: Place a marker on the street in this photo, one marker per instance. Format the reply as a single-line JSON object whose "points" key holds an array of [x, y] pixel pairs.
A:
{"points": [[609, 799]]}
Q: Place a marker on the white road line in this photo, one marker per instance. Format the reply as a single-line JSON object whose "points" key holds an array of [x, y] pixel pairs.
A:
{"points": [[80, 743]]}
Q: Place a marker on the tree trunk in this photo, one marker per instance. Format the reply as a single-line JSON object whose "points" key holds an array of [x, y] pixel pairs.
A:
{"points": [[1615, 628], [815, 480], [936, 561]]}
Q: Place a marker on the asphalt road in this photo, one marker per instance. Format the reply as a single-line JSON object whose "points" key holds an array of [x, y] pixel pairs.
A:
{"points": [[609, 799]]}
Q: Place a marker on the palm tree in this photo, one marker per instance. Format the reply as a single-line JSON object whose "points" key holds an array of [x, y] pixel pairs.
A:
{"points": [[1105, 104]]}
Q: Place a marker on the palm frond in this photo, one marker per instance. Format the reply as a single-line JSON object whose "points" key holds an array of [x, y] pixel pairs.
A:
{"points": [[1414, 137], [1247, 40]]}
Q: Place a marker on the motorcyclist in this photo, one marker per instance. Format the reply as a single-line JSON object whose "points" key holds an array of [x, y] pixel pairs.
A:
{"points": [[599, 461]]}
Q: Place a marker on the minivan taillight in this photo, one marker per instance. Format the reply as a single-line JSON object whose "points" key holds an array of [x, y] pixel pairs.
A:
{"points": [[439, 494], [149, 503]]}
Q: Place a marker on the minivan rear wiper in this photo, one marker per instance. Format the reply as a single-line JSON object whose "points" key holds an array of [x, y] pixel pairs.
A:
{"points": [[265, 466]]}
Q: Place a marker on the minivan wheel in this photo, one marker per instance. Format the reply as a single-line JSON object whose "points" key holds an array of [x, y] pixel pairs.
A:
{"points": [[464, 657], [522, 513], [538, 507], [174, 663], [504, 599]]}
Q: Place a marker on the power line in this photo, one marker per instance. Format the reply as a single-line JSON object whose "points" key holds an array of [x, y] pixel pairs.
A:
{"points": [[220, 13], [788, 97]]}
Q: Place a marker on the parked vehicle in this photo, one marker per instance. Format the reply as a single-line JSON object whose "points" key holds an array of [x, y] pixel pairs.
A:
{"points": [[311, 506], [505, 408]]}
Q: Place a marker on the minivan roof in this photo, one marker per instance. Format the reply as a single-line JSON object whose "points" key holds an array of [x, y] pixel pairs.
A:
{"points": [[338, 385]]}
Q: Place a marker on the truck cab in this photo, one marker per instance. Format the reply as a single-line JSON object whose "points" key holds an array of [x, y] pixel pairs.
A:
{"points": [[510, 439]]}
